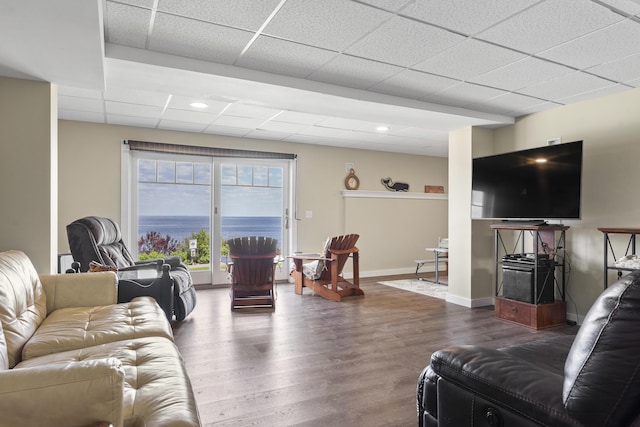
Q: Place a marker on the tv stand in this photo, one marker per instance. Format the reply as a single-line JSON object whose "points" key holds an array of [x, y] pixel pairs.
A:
{"points": [[537, 315]]}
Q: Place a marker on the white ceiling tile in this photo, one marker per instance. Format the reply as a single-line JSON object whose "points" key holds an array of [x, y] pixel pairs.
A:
{"points": [[463, 94], [330, 24], [521, 74], [631, 7], [467, 17], [372, 127], [251, 111], [284, 57], [188, 116], [468, 59], [419, 41], [276, 126], [266, 134], [549, 24], [79, 92], [634, 83], [181, 126], [126, 25], [594, 94], [298, 117], [80, 116], [565, 86], [247, 14], [184, 103], [238, 122], [137, 110], [342, 123], [419, 133], [361, 136], [602, 46], [522, 111], [413, 84], [116, 119], [390, 5], [305, 139], [324, 132], [623, 70], [349, 71], [80, 104], [196, 39], [508, 102], [142, 3], [226, 130], [135, 96]]}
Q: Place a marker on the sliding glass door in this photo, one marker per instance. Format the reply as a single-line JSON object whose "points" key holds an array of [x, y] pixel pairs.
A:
{"points": [[253, 202], [191, 205]]}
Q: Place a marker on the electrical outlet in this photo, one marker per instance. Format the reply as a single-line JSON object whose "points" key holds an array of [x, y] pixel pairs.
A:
{"points": [[349, 167]]}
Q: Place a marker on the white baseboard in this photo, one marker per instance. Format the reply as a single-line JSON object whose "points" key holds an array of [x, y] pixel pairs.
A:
{"points": [[469, 303]]}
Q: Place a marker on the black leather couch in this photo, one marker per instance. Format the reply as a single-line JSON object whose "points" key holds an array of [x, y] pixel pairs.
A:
{"points": [[592, 379], [99, 240]]}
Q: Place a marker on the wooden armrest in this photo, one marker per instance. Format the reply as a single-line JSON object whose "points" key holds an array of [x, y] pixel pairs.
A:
{"points": [[309, 257], [343, 251]]}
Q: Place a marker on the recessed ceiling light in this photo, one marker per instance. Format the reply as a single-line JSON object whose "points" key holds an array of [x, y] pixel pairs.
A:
{"points": [[541, 160], [199, 105], [382, 128]]}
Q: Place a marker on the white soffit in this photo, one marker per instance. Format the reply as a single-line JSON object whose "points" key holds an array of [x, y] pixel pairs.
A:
{"points": [[60, 41], [164, 73]]}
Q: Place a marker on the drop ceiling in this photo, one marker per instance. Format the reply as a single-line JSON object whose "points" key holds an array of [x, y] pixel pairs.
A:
{"points": [[324, 72]]}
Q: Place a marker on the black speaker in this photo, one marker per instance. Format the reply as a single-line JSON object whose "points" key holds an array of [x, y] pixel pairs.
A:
{"points": [[518, 282]]}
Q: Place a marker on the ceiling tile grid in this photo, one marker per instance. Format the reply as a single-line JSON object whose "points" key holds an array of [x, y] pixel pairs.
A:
{"points": [[499, 59], [284, 57], [245, 14], [330, 24], [419, 42], [191, 38], [550, 24], [127, 25]]}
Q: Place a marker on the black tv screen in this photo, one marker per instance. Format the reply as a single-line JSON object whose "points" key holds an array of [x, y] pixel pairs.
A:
{"points": [[536, 184]]}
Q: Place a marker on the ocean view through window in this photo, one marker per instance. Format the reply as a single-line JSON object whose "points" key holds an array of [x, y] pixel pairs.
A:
{"points": [[182, 227]]}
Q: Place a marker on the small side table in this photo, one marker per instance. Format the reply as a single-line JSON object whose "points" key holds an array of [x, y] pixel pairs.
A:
{"points": [[608, 247]]}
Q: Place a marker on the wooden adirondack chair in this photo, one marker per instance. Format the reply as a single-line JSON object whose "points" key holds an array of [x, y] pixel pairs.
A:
{"points": [[252, 271], [325, 277]]}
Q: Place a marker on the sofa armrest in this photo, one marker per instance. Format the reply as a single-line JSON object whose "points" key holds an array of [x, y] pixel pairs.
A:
{"points": [[72, 394], [80, 290], [507, 381]]}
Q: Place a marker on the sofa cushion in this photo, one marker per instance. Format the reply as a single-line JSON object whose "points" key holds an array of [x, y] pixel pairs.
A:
{"points": [[157, 387], [79, 327], [83, 393], [602, 371], [23, 304]]}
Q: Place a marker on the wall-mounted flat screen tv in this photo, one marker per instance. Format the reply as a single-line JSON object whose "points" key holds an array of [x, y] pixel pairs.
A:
{"points": [[535, 184]]}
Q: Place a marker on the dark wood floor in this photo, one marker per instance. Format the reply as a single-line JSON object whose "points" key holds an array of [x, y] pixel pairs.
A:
{"points": [[314, 362]]}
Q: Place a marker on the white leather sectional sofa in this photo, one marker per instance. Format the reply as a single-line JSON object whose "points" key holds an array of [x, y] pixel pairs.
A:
{"points": [[71, 356]]}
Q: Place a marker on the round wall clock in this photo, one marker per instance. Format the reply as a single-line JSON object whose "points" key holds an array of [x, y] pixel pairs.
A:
{"points": [[352, 182]]}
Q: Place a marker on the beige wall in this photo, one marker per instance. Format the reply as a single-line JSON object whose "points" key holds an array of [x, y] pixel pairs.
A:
{"points": [[393, 234], [610, 129], [28, 165]]}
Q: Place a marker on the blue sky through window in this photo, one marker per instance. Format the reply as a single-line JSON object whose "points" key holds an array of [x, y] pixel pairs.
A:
{"points": [[171, 188]]}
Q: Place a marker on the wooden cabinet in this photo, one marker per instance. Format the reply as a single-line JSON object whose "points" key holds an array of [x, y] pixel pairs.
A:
{"points": [[536, 316], [543, 237]]}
